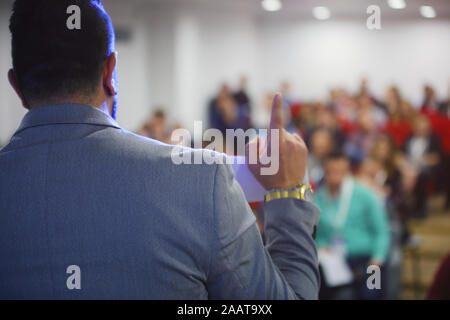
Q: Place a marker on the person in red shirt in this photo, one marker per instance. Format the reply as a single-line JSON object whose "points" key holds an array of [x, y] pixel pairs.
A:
{"points": [[398, 126]]}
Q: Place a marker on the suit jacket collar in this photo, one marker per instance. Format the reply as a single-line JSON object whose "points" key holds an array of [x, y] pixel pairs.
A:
{"points": [[69, 113]]}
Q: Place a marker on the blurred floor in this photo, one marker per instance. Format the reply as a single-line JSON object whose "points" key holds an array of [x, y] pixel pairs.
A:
{"points": [[434, 235]]}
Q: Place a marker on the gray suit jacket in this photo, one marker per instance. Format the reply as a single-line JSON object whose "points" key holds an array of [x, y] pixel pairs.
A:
{"points": [[77, 190]]}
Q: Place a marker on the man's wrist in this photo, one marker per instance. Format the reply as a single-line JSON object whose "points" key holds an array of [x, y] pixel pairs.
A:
{"points": [[301, 192]]}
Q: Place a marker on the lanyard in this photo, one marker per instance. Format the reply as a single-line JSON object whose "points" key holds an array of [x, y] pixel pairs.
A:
{"points": [[344, 203]]}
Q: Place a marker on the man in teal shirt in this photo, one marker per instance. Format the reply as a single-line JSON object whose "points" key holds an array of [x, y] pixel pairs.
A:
{"points": [[354, 218]]}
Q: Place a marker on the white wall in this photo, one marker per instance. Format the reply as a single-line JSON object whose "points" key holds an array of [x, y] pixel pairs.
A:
{"points": [[11, 110], [315, 56], [182, 54], [225, 46], [179, 55]]}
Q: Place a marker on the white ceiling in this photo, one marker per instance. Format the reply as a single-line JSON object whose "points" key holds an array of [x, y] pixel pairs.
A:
{"points": [[357, 8], [295, 9]]}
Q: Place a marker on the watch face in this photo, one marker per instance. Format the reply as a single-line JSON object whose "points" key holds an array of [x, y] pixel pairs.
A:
{"points": [[309, 195]]}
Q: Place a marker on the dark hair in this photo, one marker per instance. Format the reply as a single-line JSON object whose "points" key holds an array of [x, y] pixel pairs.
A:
{"points": [[159, 113], [49, 59], [336, 155]]}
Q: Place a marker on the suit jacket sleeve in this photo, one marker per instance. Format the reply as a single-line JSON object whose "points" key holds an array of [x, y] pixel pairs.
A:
{"points": [[241, 267]]}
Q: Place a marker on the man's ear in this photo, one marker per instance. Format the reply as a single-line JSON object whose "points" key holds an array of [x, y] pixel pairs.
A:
{"points": [[13, 82], [108, 75]]}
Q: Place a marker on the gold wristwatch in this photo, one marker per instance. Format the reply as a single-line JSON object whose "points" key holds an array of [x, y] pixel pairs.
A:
{"points": [[302, 192]]}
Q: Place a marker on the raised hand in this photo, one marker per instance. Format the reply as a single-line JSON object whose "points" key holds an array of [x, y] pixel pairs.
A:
{"points": [[291, 149]]}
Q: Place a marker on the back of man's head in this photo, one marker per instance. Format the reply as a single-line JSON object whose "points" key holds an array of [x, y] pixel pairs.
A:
{"points": [[53, 61]]}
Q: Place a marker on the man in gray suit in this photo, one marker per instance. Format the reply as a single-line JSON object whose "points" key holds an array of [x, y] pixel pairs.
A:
{"points": [[91, 211]]}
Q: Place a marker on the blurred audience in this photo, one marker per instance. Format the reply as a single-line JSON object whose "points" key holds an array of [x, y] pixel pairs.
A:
{"points": [[399, 154], [423, 152], [243, 100], [385, 154], [321, 144], [398, 124], [360, 141], [230, 110]]}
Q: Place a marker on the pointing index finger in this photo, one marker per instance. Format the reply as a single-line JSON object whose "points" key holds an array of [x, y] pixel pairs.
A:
{"points": [[276, 120]]}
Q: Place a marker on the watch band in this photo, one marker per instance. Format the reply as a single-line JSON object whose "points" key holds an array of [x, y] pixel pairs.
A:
{"points": [[296, 193]]}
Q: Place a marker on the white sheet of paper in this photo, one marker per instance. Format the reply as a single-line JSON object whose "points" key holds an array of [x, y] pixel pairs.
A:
{"points": [[253, 190], [335, 268]]}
